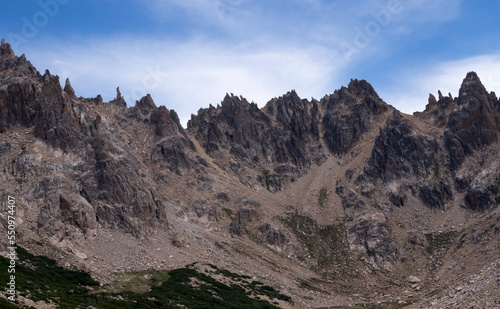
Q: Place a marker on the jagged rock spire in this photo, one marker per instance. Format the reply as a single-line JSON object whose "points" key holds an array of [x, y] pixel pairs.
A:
{"points": [[432, 99], [68, 88], [5, 49], [471, 84], [120, 101], [146, 103]]}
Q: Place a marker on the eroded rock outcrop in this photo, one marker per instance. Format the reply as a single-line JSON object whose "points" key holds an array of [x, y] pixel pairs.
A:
{"points": [[103, 185], [283, 136], [271, 235], [69, 89], [401, 150], [349, 113], [437, 112], [371, 235], [483, 192], [435, 195], [352, 204], [18, 90], [473, 123]]}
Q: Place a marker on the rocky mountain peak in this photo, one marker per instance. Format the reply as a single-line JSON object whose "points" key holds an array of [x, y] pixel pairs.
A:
{"points": [[471, 85], [361, 87], [16, 67], [287, 106], [68, 88], [234, 105], [432, 99], [5, 49], [146, 103], [349, 113], [165, 122], [292, 93], [120, 101], [474, 122]]}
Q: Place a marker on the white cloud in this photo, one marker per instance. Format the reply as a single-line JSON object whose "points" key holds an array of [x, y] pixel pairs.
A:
{"points": [[218, 12], [411, 90], [258, 56], [371, 29], [191, 75], [423, 11]]}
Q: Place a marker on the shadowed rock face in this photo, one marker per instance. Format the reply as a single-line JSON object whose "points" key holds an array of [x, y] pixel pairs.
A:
{"points": [[349, 113], [103, 184], [435, 195], [282, 139], [254, 137], [401, 150], [473, 123], [481, 199], [18, 92]]}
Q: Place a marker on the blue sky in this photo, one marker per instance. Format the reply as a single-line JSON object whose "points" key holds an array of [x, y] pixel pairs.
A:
{"points": [[188, 53]]}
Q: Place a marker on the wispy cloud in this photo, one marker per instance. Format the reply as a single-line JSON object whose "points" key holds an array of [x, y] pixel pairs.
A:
{"points": [[410, 94], [190, 75], [259, 49], [434, 11], [223, 13]]}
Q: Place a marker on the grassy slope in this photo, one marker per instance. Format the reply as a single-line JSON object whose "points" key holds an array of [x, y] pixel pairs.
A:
{"points": [[39, 278]]}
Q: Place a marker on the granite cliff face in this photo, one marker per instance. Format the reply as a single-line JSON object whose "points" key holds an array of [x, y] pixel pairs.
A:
{"points": [[473, 123], [349, 113], [97, 178], [282, 139], [346, 189]]}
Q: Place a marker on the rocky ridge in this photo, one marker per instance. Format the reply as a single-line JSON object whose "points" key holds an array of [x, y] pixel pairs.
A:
{"points": [[402, 194]]}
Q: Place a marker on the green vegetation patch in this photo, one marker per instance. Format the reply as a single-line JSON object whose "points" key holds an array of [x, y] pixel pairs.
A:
{"points": [[384, 305], [193, 289], [323, 194], [137, 282], [438, 241], [229, 274], [436, 170], [228, 211], [497, 200], [326, 244], [4, 304], [39, 278]]}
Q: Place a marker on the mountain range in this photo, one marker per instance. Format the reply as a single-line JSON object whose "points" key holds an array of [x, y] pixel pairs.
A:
{"points": [[332, 202]]}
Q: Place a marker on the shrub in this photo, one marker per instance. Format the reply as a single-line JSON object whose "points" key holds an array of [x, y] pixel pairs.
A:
{"points": [[323, 194]]}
